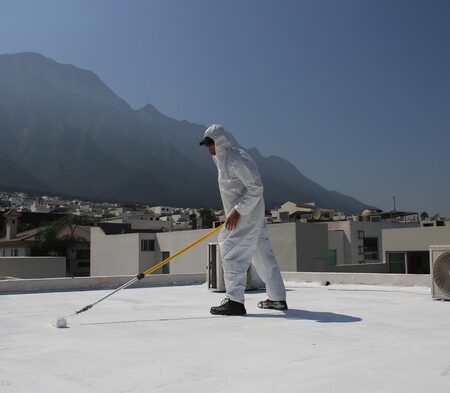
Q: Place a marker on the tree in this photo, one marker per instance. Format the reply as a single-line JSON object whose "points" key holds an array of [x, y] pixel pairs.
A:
{"points": [[423, 216], [52, 242], [207, 216]]}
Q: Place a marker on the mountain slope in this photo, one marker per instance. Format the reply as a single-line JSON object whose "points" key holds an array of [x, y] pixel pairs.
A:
{"points": [[68, 132]]}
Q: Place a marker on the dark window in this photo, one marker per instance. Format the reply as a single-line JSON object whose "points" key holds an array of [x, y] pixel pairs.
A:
{"points": [[84, 264], [360, 234], [166, 267], [84, 254], [147, 245], [371, 248]]}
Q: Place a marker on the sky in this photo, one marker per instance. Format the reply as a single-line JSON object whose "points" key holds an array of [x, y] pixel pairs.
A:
{"points": [[355, 93]]}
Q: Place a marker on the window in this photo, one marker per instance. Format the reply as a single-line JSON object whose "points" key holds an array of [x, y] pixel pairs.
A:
{"points": [[16, 252], [371, 249], [361, 250], [332, 258], [360, 234], [84, 254], [397, 262], [147, 245], [166, 267], [84, 264]]}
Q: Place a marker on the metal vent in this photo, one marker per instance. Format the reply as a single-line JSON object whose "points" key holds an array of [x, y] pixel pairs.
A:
{"points": [[441, 272]]}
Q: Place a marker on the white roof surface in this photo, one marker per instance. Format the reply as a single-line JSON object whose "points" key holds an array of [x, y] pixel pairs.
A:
{"points": [[333, 339]]}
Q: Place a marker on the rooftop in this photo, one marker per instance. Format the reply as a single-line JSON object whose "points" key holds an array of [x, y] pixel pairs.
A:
{"points": [[340, 338]]}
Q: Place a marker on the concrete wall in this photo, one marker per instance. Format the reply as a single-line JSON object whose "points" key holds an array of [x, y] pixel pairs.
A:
{"points": [[404, 280], [114, 254], [336, 241], [193, 260], [33, 267], [414, 239], [283, 240], [361, 268], [95, 283], [120, 254], [312, 247]]}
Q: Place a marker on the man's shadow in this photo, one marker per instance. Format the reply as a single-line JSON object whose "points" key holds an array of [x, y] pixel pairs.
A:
{"points": [[318, 316], [293, 314]]}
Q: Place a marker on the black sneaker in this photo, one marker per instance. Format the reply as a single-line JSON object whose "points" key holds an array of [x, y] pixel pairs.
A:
{"points": [[229, 307], [280, 305]]}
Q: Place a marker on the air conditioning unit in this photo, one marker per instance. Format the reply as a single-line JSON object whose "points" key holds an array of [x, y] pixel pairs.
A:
{"points": [[440, 272], [215, 278]]}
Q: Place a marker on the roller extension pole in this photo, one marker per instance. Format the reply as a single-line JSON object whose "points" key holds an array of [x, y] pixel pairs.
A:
{"points": [[62, 322]]}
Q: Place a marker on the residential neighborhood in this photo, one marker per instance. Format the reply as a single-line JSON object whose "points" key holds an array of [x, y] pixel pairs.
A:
{"points": [[102, 239]]}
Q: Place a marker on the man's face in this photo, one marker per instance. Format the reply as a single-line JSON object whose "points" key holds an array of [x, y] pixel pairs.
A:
{"points": [[211, 149]]}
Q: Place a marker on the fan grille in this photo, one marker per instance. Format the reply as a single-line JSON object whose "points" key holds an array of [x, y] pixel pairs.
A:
{"points": [[441, 272]]}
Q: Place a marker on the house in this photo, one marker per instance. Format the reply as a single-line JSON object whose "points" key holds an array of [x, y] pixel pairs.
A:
{"points": [[353, 243], [120, 250], [139, 220], [24, 244], [291, 211]]}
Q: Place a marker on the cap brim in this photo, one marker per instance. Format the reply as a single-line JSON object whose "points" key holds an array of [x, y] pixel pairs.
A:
{"points": [[206, 141]]}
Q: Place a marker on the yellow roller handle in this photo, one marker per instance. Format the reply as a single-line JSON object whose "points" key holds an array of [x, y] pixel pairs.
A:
{"points": [[193, 244]]}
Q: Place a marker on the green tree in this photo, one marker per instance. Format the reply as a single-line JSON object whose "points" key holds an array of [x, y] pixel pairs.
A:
{"points": [[51, 241], [207, 216]]}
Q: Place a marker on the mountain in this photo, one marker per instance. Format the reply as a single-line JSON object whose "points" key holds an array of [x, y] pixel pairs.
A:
{"points": [[64, 131]]}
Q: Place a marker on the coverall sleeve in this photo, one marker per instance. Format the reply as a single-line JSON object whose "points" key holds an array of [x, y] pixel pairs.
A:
{"points": [[250, 178]]}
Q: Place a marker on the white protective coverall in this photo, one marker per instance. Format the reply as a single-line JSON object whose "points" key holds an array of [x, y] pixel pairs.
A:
{"points": [[241, 189]]}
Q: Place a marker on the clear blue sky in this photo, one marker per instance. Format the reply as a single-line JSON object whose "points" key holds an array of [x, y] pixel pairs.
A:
{"points": [[355, 93]]}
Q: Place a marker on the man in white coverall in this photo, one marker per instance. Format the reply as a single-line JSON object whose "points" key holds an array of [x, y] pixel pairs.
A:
{"points": [[244, 238]]}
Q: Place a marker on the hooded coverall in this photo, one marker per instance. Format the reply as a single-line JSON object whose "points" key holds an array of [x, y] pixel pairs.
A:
{"points": [[241, 189]]}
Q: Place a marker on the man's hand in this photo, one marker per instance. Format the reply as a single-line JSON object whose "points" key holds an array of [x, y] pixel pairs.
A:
{"points": [[232, 220]]}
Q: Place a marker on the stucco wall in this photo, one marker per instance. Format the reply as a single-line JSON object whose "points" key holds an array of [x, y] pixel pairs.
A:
{"points": [[33, 267], [312, 247], [283, 240], [336, 241], [193, 260], [414, 239], [114, 254]]}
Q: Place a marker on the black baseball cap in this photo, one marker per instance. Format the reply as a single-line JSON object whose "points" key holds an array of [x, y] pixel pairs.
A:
{"points": [[207, 141]]}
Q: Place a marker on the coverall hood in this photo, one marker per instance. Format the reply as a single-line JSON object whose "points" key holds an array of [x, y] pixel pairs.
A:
{"points": [[222, 140]]}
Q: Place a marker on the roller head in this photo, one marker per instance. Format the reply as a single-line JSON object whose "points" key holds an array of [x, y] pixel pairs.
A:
{"points": [[61, 323]]}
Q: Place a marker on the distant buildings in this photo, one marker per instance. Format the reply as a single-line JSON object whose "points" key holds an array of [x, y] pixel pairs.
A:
{"points": [[25, 244], [125, 240]]}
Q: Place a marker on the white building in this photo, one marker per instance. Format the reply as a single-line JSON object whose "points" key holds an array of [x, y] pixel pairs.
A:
{"points": [[357, 243], [163, 210], [40, 206], [297, 246], [143, 221], [122, 254]]}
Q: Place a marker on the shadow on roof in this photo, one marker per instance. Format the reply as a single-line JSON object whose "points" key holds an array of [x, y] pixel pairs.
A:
{"points": [[318, 316]]}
